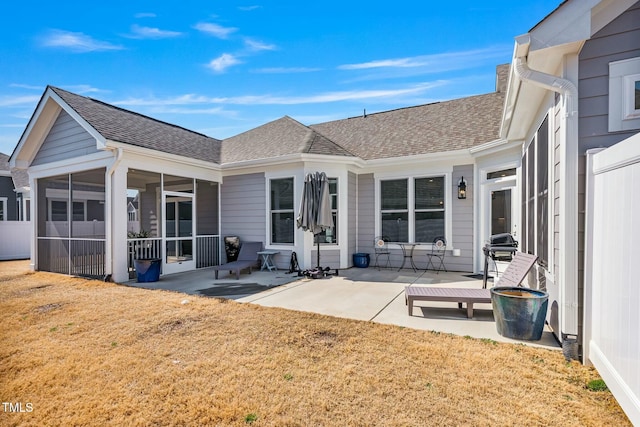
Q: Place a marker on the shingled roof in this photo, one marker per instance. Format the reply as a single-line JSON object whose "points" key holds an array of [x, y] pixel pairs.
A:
{"points": [[430, 128], [120, 125], [20, 177], [278, 138]]}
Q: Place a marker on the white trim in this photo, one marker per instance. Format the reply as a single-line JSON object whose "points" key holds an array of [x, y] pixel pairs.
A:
{"points": [[410, 176], [622, 112], [296, 201]]}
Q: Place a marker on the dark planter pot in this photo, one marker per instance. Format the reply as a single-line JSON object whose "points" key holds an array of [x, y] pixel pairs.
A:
{"points": [[361, 260], [519, 312], [147, 269]]}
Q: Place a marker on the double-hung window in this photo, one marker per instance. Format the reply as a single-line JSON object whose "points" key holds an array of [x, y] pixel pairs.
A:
{"points": [[412, 209], [282, 211], [429, 208]]}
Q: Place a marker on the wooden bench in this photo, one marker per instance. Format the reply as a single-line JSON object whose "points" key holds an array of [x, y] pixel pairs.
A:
{"points": [[469, 296], [513, 276]]}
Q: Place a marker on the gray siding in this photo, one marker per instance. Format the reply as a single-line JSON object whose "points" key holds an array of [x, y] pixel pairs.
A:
{"points": [[366, 213], [328, 258], [462, 222], [6, 190], [243, 210], [352, 188], [66, 140], [617, 41]]}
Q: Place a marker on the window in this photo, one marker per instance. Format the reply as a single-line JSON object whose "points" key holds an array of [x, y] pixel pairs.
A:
{"points": [[429, 209], [58, 211], [330, 236], [412, 209], [282, 214], [394, 210], [3, 208], [501, 174], [624, 95], [535, 195]]}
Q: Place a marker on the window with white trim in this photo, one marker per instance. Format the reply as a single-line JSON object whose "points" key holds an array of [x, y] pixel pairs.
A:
{"points": [[412, 209], [282, 216], [624, 95]]}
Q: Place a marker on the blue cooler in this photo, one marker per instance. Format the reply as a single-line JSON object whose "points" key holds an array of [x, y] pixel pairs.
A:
{"points": [[147, 269]]}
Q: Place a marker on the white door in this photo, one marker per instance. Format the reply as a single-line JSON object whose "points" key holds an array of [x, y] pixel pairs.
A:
{"points": [[178, 232]]}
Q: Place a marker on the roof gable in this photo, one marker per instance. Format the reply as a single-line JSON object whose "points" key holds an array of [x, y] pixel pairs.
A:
{"points": [[120, 125], [278, 138]]}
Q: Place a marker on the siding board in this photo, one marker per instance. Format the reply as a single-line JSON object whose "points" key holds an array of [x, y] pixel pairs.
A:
{"points": [[66, 140]]}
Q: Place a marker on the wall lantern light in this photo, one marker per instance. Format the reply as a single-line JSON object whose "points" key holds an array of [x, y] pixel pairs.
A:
{"points": [[462, 188]]}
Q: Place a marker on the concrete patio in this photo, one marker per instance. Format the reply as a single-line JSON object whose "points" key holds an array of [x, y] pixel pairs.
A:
{"points": [[364, 294]]}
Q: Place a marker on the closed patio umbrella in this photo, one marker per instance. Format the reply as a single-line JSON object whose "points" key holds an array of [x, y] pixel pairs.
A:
{"points": [[315, 206]]}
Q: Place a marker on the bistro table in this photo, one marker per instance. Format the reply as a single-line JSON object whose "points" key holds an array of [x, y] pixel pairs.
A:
{"points": [[407, 252], [267, 260]]}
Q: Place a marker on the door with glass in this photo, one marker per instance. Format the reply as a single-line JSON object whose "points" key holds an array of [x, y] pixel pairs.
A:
{"points": [[502, 212], [179, 232]]}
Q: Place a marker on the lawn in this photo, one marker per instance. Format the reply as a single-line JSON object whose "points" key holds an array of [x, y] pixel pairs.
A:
{"points": [[83, 352]]}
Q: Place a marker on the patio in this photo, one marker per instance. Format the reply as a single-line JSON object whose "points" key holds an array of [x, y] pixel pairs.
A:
{"points": [[357, 293]]}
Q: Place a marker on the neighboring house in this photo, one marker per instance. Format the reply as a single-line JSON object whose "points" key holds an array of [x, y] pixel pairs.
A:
{"points": [[14, 192], [574, 86], [394, 173]]}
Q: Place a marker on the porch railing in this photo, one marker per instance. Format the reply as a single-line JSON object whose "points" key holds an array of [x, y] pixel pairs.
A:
{"points": [[140, 249], [74, 256], [207, 251]]}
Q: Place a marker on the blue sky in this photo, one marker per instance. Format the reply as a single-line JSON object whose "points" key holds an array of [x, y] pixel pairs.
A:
{"points": [[224, 67]]}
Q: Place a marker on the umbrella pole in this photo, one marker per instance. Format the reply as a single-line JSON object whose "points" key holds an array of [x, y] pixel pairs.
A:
{"points": [[318, 251]]}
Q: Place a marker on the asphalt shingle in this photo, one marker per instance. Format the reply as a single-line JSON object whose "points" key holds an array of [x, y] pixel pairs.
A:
{"points": [[278, 138], [431, 128], [120, 125]]}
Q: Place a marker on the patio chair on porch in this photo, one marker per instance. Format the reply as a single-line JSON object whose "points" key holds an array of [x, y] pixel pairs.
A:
{"points": [[381, 247], [247, 258], [436, 257]]}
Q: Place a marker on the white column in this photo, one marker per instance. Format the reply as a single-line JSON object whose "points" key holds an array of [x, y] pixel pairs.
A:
{"points": [[119, 225]]}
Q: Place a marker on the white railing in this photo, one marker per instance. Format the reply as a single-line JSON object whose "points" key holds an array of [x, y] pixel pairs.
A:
{"points": [[142, 249], [207, 251], [612, 249]]}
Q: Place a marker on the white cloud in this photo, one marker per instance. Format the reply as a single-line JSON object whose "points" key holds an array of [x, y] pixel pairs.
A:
{"points": [[248, 8], [83, 89], [327, 97], [18, 101], [138, 32], [286, 70], [256, 45], [215, 29], [224, 61], [25, 86], [145, 15], [76, 42], [434, 63]]}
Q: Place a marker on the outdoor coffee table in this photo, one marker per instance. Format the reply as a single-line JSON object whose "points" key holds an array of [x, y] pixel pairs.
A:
{"points": [[267, 260]]}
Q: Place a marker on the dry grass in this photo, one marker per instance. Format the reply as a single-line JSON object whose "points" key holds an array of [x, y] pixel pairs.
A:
{"points": [[89, 353]]}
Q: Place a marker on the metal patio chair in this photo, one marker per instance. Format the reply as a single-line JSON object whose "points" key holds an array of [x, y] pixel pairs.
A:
{"points": [[381, 247], [435, 259]]}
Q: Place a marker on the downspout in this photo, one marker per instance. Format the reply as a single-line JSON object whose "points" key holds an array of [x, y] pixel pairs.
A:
{"points": [[568, 246], [109, 214]]}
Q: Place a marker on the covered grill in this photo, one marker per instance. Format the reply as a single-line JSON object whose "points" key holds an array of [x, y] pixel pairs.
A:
{"points": [[501, 247]]}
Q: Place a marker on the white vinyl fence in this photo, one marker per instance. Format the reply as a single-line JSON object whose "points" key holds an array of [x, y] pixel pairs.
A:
{"points": [[612, 279], [15, 237]]}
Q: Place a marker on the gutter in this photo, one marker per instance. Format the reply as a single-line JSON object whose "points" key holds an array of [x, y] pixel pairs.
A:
{"points": [[568, 191], [109, 214]]}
